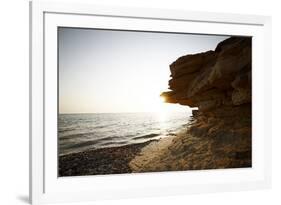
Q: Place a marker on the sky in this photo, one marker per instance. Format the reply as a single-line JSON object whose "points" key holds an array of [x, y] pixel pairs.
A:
{"points": [[111, 71]]}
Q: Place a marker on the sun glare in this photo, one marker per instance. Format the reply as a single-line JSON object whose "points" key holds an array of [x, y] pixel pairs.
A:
{"points": [[163, 99], [162, 109]]}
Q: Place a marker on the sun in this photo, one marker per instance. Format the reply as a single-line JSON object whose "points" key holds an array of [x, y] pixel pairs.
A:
{"points": [[163, 99]]}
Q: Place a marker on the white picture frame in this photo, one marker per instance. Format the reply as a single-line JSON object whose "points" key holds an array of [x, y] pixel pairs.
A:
{"points": [[46, 187]]}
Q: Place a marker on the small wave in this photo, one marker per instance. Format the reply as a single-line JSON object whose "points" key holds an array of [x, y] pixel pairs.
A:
{"points": [[110, 138], [66, 129], [99, 127], [78, 135], [81, 144], [104, 126], [146, 136], [113, 143]]}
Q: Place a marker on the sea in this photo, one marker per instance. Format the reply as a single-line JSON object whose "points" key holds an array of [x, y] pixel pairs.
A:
{"points": [[81, 132]]}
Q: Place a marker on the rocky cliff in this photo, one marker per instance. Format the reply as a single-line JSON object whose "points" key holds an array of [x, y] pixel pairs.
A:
{"points": [[218, 83], [214, 79]]}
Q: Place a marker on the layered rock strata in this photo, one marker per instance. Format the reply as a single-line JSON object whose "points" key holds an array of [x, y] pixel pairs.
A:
{"points": [[218, 83], [214, 79]]}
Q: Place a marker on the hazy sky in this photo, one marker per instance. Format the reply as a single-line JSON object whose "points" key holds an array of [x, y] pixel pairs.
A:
{"points": [[120, 71]]}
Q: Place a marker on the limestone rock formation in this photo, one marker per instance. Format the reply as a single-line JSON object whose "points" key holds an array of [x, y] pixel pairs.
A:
{"points": [[218, 83], [214, 78]]}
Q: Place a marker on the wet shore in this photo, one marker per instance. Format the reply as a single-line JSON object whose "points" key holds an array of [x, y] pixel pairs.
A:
{"points": [[113, 160], [183, 151]]}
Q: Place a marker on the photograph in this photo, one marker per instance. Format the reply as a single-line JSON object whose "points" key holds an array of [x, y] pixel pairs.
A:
{"points": [[132, 101]]}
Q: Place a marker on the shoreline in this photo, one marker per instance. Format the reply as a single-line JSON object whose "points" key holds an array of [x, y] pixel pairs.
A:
{"points": [[181, 152], [187, 151], [110, 160]]}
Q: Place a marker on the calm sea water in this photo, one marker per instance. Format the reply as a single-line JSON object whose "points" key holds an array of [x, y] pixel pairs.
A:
{"points": [[80, 132]]}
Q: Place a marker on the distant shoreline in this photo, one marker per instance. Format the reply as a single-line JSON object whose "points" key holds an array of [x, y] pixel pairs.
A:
{"points": [[90, 113]]}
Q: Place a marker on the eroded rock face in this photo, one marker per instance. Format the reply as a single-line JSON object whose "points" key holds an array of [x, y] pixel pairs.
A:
{"points": [[214, 78], [218, 83]]}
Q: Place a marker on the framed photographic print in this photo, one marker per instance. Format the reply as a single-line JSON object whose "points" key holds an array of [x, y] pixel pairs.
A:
{"points": [[129, 102]]}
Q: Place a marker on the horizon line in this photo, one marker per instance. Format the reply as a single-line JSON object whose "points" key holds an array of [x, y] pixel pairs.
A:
{"points": [[65, 113]]}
